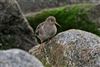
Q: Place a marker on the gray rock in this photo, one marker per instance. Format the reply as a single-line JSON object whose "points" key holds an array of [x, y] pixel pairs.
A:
{"points": [[18, 58], [72, 48], [15, 30]]}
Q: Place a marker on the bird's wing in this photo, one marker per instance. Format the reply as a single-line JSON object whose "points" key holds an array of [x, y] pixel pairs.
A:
{"points": [[38, 28]]}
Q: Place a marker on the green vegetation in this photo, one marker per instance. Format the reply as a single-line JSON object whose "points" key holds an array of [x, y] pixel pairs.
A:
{"points": [[69, 17]]}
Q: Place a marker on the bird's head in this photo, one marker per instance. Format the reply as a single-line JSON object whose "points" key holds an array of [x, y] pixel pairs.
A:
{"points": [[52, 20]]}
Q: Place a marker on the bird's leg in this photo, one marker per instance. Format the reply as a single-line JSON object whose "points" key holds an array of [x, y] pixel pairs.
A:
{"points": [[50, 38], [41, 41]]}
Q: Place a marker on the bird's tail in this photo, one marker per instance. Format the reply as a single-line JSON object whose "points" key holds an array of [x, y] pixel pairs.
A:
{"points": [[38, 39]]}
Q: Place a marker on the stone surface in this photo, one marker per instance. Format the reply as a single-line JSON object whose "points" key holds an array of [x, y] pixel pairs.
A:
{"points": [[72, 48], [15, 32], [18, 58]]}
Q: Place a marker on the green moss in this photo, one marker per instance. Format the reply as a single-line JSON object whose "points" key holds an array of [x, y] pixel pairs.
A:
{"points": [[69, 17]]}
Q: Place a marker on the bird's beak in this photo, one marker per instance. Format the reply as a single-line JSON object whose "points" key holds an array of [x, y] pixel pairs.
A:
{"points": [[57, 24]]}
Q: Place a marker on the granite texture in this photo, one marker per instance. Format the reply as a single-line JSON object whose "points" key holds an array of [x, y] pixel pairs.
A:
{"points": [[15, 31], [18, 58], [72, 48]]}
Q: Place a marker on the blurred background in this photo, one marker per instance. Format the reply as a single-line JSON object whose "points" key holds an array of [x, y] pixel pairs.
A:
{"points": [[70, 14]]}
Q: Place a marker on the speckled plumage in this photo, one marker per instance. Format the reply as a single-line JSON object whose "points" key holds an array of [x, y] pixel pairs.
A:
{"points": [[46, 29]]}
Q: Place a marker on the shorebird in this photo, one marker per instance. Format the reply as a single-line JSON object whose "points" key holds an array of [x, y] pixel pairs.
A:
{"points": [[47, 29]]}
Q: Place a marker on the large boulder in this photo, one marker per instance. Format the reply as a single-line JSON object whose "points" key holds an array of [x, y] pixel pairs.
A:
{"points": [[15, 31], [18, 58], [72, 48]]}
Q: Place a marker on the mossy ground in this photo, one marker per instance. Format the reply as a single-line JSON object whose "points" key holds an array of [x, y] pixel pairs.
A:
{"points": [[69, 17]]}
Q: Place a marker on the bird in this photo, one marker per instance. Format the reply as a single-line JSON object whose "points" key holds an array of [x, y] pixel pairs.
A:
{"points": [[47, 29]]}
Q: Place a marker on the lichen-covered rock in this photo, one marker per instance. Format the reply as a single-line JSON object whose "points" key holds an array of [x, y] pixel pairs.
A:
{"points": [[14, 28], [72, 48], [18, 58]]}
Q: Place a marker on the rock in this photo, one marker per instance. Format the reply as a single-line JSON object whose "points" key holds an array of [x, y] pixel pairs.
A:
{"points": [[18, 58], [72, 48], [15, 31]]}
